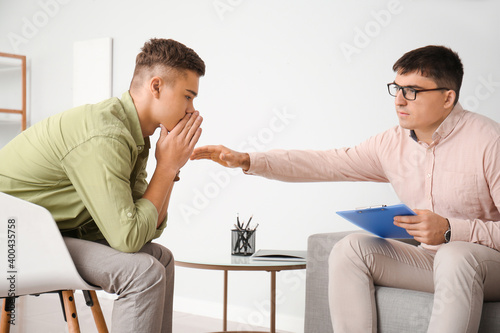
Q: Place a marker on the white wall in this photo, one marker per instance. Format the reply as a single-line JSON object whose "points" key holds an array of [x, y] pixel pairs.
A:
{"points": [[10, 97], [280, 74]]}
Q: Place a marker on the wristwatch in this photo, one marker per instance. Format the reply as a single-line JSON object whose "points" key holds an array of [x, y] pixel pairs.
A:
{"points": [[447, 233]]}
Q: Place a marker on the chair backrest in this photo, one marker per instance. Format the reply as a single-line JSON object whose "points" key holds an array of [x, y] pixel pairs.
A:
{"points": [[33, 256]]}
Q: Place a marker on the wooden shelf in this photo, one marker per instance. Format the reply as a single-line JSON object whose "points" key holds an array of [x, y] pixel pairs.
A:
{"points": [[11, 65]]}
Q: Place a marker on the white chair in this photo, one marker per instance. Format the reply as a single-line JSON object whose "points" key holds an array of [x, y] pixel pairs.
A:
{"points": [[34, 260]]}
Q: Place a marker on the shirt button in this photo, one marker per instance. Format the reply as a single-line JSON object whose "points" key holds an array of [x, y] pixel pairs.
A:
{"points": [[129, 214], [140, 147], [429, 175]]}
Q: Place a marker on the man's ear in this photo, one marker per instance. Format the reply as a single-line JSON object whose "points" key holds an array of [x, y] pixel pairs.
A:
{"points": [[450, 99], [155, 86]]}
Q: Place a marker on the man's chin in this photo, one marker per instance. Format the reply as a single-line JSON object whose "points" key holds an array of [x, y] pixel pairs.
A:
{"points": [[168, 127], [405, 125]]}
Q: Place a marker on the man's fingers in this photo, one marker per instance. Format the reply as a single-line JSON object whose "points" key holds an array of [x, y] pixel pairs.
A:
{"points": [[407, 226], [408, 219], [179, 127], [163, 132], [409, 223], [205, 152], [200, 155], [195, 138], [202, 150], [192, 129], [422, 215]]}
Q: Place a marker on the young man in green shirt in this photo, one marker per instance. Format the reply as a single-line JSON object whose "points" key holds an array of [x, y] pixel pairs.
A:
{"points": [[87, 166]]}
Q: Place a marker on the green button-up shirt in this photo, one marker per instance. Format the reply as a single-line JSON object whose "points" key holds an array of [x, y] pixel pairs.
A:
{"points": [[87, 166]]}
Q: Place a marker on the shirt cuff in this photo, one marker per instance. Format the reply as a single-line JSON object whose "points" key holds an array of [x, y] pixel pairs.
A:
{"points": [[257, 163], [162, 227], [460, 230]]}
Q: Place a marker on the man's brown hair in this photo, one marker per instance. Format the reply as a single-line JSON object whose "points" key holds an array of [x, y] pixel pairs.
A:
{"points": [[165, 57], [439, 63]]}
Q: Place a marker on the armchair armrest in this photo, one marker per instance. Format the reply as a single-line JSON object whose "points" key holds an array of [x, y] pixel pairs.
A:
{"points": [[317, 316], [319, 246]]}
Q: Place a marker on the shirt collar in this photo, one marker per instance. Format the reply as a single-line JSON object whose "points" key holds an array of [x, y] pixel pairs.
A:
{"points": [[446, 126], [133, 118]]}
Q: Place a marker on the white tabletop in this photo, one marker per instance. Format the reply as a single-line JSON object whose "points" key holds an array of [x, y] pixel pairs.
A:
{"points": [[225, 261]]}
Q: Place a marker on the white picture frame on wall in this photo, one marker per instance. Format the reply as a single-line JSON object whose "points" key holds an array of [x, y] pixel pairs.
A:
{"points": [[92, 70]]}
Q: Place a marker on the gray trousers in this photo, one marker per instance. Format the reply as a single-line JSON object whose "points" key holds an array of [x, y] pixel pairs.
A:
{"points": [[461, 275], [143, 281]]}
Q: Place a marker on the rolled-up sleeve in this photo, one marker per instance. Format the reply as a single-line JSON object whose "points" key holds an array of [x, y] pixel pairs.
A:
{"points": [[484, 231], [100, 169]]}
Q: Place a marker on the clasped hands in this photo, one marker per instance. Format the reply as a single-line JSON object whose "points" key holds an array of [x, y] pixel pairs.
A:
{"points": [[174, 148]]}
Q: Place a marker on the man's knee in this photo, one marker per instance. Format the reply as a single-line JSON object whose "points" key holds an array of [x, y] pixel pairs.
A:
{"points": [[347, 247], [147, 271], [461, 261], [168, 262], [457, 270], [160, 252], [352, 243], [455, 256]]}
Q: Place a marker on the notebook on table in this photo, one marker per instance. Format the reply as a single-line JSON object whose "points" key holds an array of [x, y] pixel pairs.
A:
{"points": [[280, 255]]}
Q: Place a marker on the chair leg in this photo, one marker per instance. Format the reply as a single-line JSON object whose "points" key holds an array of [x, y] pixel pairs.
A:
{"points": [[5, 321], [93, 302], [70, 311], [7, 306]]}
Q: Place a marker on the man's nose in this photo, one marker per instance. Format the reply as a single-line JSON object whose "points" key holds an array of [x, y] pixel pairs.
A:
{"points": [[190, 108], [400, 99]]}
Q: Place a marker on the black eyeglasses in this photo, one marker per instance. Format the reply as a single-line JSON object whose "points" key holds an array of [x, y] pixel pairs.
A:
{"points": [[409, 93]]}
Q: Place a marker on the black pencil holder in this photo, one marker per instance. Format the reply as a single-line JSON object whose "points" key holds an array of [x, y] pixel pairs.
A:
{"points": [[242, 242]]}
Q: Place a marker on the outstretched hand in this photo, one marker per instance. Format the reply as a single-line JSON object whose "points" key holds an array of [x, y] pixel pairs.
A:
{"points": [[222, 155]]}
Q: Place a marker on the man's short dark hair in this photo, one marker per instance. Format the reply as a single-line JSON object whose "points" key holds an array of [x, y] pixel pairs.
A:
{"points": [[166, 56], [439, 63]]}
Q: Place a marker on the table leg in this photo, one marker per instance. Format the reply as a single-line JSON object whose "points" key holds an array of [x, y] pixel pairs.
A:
{"points": [[224, 321], [273, 301]]}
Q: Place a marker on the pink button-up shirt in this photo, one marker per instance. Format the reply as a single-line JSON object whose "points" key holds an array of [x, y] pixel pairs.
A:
{"points": [[457, 176]]}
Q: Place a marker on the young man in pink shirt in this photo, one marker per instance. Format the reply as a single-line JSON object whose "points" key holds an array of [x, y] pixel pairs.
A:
{"points": [[442, 161]]}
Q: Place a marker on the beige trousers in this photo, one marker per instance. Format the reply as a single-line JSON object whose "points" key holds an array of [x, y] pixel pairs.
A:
{"points": [[143, 281], [461, 275]]}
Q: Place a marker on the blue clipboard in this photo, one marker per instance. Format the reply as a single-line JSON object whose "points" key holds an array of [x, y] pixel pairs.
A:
{"points": [[379, 220]]}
